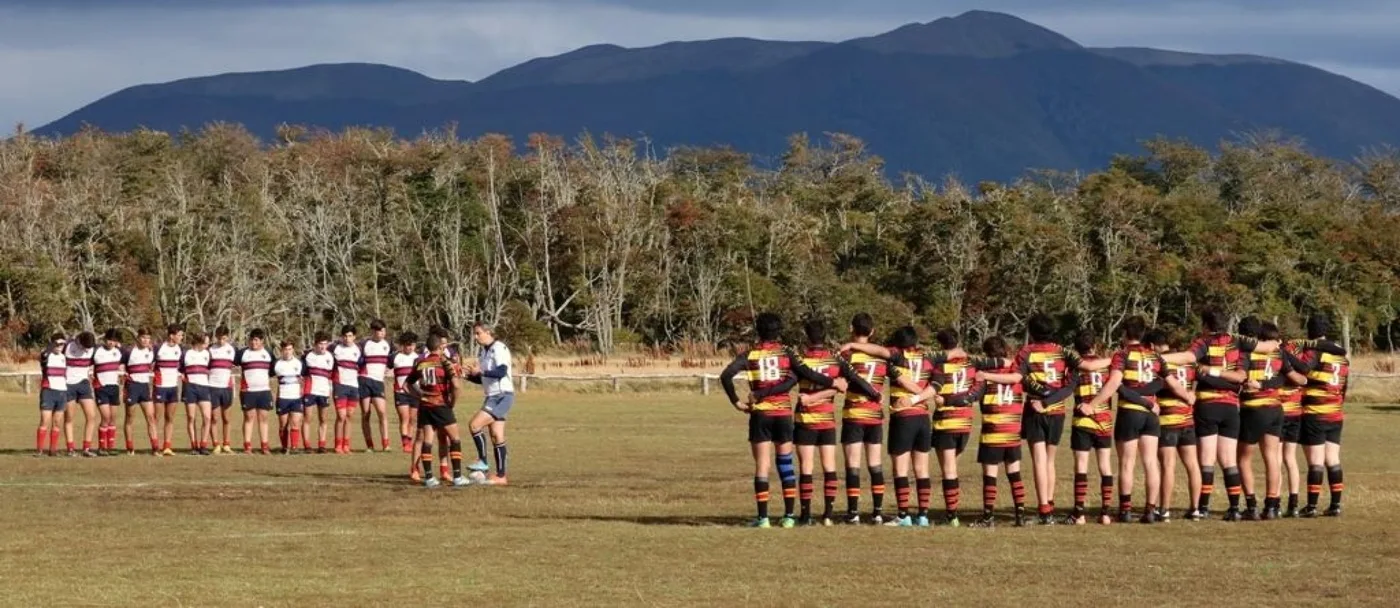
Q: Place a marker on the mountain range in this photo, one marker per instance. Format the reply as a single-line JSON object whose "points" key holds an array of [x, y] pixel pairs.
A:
{"points": [[982, 95]]}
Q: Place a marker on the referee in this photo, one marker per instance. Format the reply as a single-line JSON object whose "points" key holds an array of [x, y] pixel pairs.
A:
{"points": [[492, 371]]}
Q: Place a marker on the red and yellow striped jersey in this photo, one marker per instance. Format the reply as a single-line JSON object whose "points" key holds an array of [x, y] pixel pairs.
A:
{"points": [[919, 365], [1002, 406], [858, 408], [1101, 422], [1268, 370], [1049, 373], [818, 416], [768, 365], [958, 386], [1326, 391], [1176, 413], [1216, 353], [1141, 368]]}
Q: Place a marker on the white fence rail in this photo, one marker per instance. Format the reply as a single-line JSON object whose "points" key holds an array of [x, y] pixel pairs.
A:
{"points": [[29, 380]]}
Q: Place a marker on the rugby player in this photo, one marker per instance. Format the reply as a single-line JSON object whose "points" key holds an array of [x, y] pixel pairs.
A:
{"points": [[376, 352], [1178, 439], [80, 393], [773, 370], [255, 390], [1091, 435], [1261, 419], [432, 382], [1323, 399], [1292, 398], [911, 432], [815, 423], [861, 420], [138, 364], [221, 362], [53, 396], [492, 371], [194, 366], [318, 366], [168, 363], [403, 363], [290, 403], [107, 370], [348, 357], [1003, 405]]}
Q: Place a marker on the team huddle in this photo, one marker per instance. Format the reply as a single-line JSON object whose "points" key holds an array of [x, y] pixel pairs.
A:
{"points": [[328, 382], [1210, 401]]}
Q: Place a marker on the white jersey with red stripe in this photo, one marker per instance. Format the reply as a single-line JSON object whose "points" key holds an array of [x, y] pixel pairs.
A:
{"points": [[403, 366], [169, 359], [375, 359], [221, 358], [195, 366], [289, 378], [140, 364], [257, 370], [79, 362], [347, 363], [54, 367], [107, 365], [319, 368]]}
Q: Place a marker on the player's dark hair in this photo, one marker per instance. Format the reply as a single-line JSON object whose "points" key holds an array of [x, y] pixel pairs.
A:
{"points": [[347, 329], [1134, 328], [769, 326], [947, 338], [816, 332], [288, 344], [1041, 328], [1319, 326], [439, 331], [862, 325], [1084, 342], [1155, 337], [994, 346], [1268, 331], [407, 338], [174, 328], [57, 336], [112, 335], [1213, 320], [198, 337], [1249, 326], [904, 337], [258, 334], [435, 342], [87, 340], [221, 332], [321, 336], [376, 325], [142, 332]]}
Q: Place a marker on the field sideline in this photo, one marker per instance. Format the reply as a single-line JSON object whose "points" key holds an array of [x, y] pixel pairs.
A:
{"points": [[634, 498]]}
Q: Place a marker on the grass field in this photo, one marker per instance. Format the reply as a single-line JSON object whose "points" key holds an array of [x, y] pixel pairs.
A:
{"points": [[629, 499]]}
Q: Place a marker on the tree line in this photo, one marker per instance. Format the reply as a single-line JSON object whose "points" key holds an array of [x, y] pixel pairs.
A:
{"points": [[605, 243]]}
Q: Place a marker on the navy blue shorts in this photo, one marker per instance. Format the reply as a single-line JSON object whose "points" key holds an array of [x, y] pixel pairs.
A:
{"points": [[138, 392], [498, 406], [405, 400], [220, 397], [80, 390], [109, 395], [371, 388], [53, 401], [289, 406], [346, 392], [257, 400], [195, 393], [166, 395], [311, 401]]}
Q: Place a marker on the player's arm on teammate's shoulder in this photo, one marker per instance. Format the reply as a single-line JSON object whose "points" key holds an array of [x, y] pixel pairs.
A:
{"points": [[855, 383], [726, 380], [802, 371], [869, 348]]}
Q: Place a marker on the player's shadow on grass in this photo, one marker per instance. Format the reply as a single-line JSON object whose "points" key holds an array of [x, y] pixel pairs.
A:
{"points": [[1384, 409], [697, 521], [382, 479]]}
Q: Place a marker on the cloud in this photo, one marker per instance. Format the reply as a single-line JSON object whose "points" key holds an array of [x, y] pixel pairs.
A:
{"points": [[60, 54]]}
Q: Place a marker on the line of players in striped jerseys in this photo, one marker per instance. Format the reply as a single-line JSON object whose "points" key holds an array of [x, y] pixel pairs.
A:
{"points": [[1208, 402], [327, 383]]}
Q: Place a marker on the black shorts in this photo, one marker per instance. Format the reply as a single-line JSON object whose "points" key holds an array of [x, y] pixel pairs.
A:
{"points": [[255, 400], [167, 395], [437, 417], [910, 434], [343, 392], [1218, 419], [762, 428], [221, 398], [78, 391], [1318, 432], [371, 388], [1292, 429], [987, 454], [405, 400], [944, 440], [138, 392], [1037, 427], [51, 400], [289, 406], [1256, 422], [803, 435], [109, 395], [1083, 440], [311, 401], [860, 433], [195, 393], [1178, 437], [1133, 424]]}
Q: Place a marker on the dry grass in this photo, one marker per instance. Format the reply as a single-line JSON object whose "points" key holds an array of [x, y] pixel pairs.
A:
{"points": [[621, 499]]}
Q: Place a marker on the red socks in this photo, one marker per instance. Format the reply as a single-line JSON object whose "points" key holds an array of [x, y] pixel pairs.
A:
{"points": [[41, 437]]}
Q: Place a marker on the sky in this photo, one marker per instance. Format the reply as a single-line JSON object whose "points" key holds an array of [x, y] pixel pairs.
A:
{"points": [[58, 55]]}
